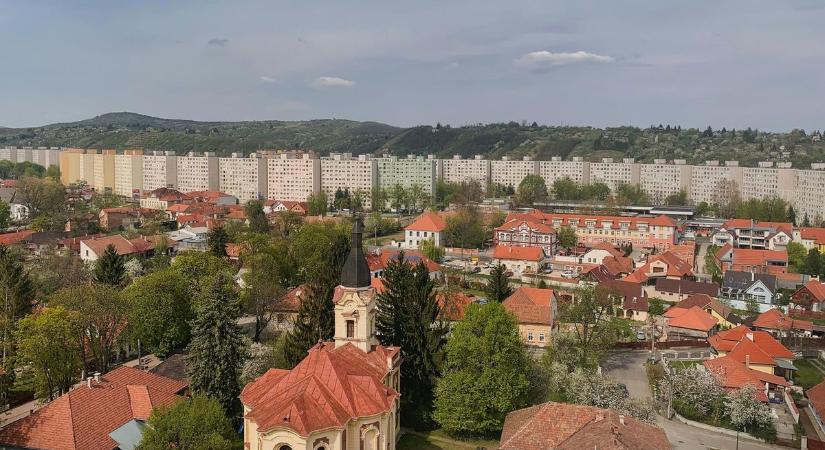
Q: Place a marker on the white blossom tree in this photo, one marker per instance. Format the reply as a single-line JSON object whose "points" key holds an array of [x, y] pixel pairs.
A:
{"points": [[693, 386], [746, 411]]}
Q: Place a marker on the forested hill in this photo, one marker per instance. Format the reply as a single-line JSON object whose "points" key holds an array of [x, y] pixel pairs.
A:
{"points": [[129, 130]]}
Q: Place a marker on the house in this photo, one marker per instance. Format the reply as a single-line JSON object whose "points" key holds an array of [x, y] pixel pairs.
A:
{"points": [[344, 393], [816, 403], [429, 225], [665, 265], [722, 313], [519, 260], [599, 251], [453, 305], [17, 210], [690, 323], [93, 248], [17, 237], [107, 412], [629, 298], [677, 290], [526, 233], [163, 198], [749, 234], [810, 296], [213, 197], [757, 350], [190, 238], [740, 288], [810, 238], [300, 208], [558, 426], [535, 310], [686, 252], [734, 375], [378, 261], [780, 324], [124, 217], [749, 260]]}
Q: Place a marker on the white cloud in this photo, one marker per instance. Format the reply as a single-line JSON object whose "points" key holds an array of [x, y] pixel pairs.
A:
{"points": [[333, 82], [452, 65], [267, 79], [544, 59]]}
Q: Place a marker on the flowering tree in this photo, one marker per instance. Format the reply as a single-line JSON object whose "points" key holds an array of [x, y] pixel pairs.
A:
{"points": [[746, 411], [695, 388]]}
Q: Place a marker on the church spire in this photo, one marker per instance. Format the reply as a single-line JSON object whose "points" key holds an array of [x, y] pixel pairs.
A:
{"points": [[356, 272]]}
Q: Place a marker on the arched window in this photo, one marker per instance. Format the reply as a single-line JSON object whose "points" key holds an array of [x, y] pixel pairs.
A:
{"points": [[284, 447]]}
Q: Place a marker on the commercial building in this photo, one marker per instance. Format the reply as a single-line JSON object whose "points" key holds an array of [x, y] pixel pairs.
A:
{"points": [[160, 170], [243, 177], [347, 173], [129, 173], [198, 172], [460, 170], [293, 176], [508, 172]]}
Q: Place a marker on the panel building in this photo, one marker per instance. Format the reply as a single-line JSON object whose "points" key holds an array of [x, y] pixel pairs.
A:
{"points": [[661, 180], [243, 177], [809, 194], [104, 171], [768, 181], [407, 172], [576, 170], [460, 170], [198, 172], [129, 173], [509, 172], [345, 172], [614, 174], [160, 170], [293, 176], [713, 183]]}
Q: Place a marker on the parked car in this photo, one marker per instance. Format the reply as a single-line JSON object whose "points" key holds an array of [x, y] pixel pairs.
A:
{"points": [[509, 273], [640, 335]]}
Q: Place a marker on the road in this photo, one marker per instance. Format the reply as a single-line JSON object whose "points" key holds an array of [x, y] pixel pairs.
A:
{"points": [[628, 367]]}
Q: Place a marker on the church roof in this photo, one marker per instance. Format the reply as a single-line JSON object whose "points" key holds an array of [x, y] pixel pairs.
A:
{"points": [[356, 272]]}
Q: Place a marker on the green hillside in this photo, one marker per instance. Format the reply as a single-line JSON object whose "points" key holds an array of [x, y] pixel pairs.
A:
{"points": [[129, 130]]}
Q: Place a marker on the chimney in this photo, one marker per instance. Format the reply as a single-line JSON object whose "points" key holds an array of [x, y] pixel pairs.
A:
{"points": [[749, 334], [89, 382], [621, 419], [97, 377]]}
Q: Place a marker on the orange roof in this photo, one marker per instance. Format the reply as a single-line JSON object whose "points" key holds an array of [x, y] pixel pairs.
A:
{"points": [[774, 319], [723, 250], [816, 289], [13, 238], [705, 302], [815, 234], [122, 245], [531, 305], [694, 318], [734, 375], [515, 224], [676, 267], [83, 418], [746, 351], [754, 257], [518, 253], [816, 395], [581, 219], [748, 223], [330, 387], [760, 344], [454, 306], [608, 247], [291, 301], [380, 261], [377, 284], [428, 221]]}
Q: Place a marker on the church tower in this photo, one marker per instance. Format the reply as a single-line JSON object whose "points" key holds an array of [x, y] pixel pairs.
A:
{"points": [[355, 298]]}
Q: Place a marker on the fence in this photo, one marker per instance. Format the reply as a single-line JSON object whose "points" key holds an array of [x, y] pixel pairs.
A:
{"points": [[645, 345], [792, 407]]}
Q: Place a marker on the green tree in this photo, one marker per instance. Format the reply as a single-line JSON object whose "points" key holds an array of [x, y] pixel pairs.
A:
{"points": [[465, 229], [796, 256], [17, 294], [656, 306], [531, 190], [51, 271], [109, 267], [197, 424], [216, 354], [254, 210], [47, 351], [485, 376], [42, 196], [5, 215], [567, 238], [566, 189], [430, 250], [160, 310], [632, 194], [199, 269], [53, 172], [319, 250], [315, 322], [791, 215], [813, 262], [398, 197], [270, 272], [217, 238], [317, 204], [102, 312], [379, 199], [677, 199], [594, 329], [498, 286]]}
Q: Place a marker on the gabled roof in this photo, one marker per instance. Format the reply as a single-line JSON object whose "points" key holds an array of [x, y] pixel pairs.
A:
{"points": [[633, 294], [734, 375], [774, 319], [754, 257], [14, 238], [531, 305], [428, 221], [122, 245], [816, 289], [83, 418], [556, 426], [534, 226], [454, 305], [608, 247], [816, 395], [759, 344], [687, 287], [814, 234], [327, 389], [518, 253], [744, 280], [377, 262], [675, 267], [705, 302], [693, 318]]}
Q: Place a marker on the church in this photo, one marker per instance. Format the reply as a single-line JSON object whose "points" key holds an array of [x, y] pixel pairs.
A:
{"points": [[345, 394]]}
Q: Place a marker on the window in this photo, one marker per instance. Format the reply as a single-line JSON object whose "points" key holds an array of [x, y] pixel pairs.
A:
{"points": [[350, 329], [530, 336], [541, 337], [284, 447]]}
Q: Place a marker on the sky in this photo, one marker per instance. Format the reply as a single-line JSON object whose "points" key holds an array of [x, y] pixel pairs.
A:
{"points": [[564, 62]]}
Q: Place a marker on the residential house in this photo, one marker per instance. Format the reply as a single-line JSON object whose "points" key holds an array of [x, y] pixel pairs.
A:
{"points": [[125, 217], [526, 233], [597, 253], [93, 248], [741, 288], [377, 261], [17, 210], [216, 198], [558, 426], [757, 350], [749, 234], [611, 269], [16, 237], [780, 324], [722, 313], [734, 375], [665, 265], [453, 306], [429, 225], [108, 412], [300, 208], [749, 260], [678, 290], [686, 251], [690, 323], [162, 198], [535, 310], [810, 296], [519, 260], [190, 238], [629, 298], [810, 238], [816, 404]]}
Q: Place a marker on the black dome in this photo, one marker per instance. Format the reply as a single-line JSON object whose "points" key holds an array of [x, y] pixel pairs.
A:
{"points": [[356, 272]]}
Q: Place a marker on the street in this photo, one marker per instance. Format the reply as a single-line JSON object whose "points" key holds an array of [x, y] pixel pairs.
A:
{"points": [[628, 367]]}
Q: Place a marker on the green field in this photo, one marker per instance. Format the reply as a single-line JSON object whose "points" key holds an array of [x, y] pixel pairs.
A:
{"points": [[684, 363], [806, 375]]}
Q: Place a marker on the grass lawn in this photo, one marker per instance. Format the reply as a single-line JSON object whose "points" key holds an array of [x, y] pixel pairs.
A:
{"points": [[684, 363], [438, 440], [806, 374]]}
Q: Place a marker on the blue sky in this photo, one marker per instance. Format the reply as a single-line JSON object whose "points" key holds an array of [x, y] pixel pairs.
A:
{"points": [[734, 63]]}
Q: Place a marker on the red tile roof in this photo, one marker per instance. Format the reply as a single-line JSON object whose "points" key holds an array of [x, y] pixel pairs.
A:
{"points": [[774, 319], [428, 221], [327, 389], [693, 318], [518, 253], [531, 305], [752, 257], [454, 305], [616, 221], [705, 302], [379, 262], [816, 395], [734, 375], [550, 426], [122, 245], [740, 342], [815, 234], [633, 295], [816, 289], [515, 224], [675, 267], [83, 418], [14, 238]]}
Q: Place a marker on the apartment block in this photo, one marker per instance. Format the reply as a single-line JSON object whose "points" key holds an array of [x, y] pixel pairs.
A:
{"points": [[809, 194], [70, 165], [243, 177], [460, 170], [198, 172], [345, 172], [614, 174], [293, 176], [768, 181], [577, 170], [46, 157], [104, 171], [407, 172], [508, 172], [713, 183], [160, 170], [661, 180], [129, 173], [8, 154], [87, 166]]}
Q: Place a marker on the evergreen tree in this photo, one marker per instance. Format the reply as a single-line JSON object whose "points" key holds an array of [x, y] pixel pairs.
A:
{"points": [[315, 322], [806, 221], [813, 262], [791, 215], [109, 267], [217, 351], [498, 286], [258, 223], [17, 293], [217, 240], [392, 315]]}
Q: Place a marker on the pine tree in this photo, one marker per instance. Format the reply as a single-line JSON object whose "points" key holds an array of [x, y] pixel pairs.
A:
{"points": [[109, 268], [392, 314], [17, 292], [315, 322], [791, 215], [217, 240], [258, 223], [806, 222], [498, 286], [217, 351]]}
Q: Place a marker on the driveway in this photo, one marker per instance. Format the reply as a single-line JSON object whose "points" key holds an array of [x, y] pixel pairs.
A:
{"points": [[629, 368]]}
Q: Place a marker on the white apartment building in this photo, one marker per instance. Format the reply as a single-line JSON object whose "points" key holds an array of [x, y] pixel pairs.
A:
{"points": [[198, 172], [8, 154], [507, 172], [661, 180], [614, 174], [129, 173], [460, 170], [577, 170], [243, 177], [87, 166], [46, 157], [809, 194], [293, 176], [768, 181], [407, 172], [160, 169], [343, 171], [712, 183]]}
